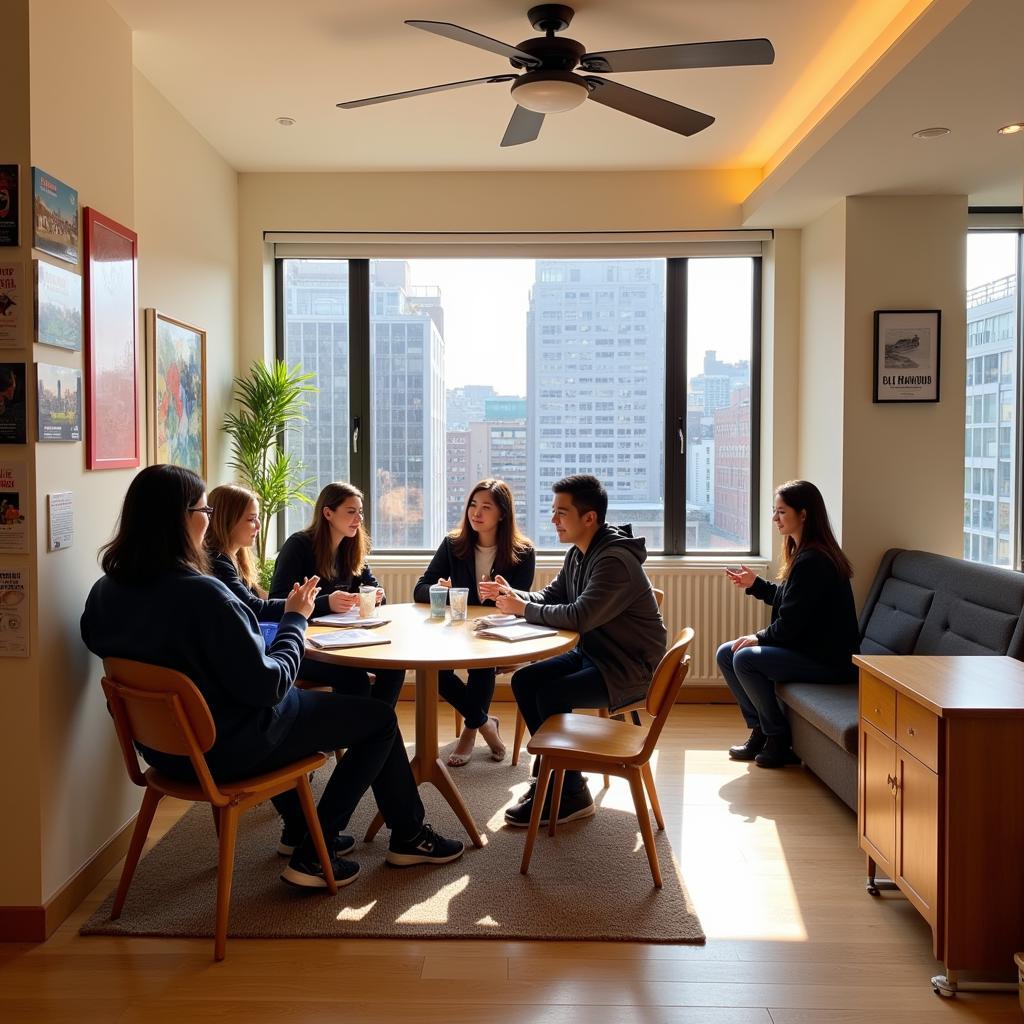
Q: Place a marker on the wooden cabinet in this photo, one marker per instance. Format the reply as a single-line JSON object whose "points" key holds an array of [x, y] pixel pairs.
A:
{"points": [[941, 799]]}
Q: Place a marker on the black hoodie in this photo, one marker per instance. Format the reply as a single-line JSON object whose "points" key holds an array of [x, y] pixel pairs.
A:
{"points": [[606, 597]]}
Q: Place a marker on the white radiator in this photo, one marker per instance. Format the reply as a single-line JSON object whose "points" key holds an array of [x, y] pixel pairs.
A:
{"points": [[700, 597]]}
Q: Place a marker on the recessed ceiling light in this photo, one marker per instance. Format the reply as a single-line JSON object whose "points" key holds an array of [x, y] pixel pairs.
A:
{"points": [[930, 133], [285, 121], [1012, 129]]}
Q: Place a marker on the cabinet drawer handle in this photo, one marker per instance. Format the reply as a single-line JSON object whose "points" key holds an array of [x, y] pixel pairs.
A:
{"points": [[910, 731], [878, 711]]}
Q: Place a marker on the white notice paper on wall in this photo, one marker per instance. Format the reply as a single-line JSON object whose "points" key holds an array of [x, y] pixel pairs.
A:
{"points": [[13, 612], [60, 513]]}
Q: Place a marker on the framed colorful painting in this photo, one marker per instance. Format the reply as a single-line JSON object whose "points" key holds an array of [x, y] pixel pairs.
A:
{"points": [[176, 360], [111, 343]]}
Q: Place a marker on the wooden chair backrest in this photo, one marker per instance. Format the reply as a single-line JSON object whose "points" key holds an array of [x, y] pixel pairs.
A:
{"points": [[668, 678], [163, 710], [659, 596]]}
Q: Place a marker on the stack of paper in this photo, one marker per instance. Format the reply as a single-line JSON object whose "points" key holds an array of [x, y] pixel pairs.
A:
{"points": [[345, 638], [348, 620], [485, 621], [517, 631]]}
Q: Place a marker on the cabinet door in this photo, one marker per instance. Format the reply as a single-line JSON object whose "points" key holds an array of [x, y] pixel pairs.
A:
{"points": [[917, 833], [876, 797]]}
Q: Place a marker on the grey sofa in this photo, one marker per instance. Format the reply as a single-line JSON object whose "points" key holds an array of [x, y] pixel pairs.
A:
{"points": [[919, 603]]}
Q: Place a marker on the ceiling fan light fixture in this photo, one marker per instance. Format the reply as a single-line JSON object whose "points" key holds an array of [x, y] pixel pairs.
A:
{"points": [[549, 92]]}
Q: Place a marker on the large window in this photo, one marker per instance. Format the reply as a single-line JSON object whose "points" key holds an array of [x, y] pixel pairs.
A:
{"points": [[637, 370], [991, 524]]}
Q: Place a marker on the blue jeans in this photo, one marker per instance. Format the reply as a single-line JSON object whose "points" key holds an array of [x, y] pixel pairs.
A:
{"points": [[752, 673], [555, 687]]}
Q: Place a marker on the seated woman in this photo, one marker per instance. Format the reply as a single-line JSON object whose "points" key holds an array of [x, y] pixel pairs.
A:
{"points": [[334, 547], [813, 632], [157, 603], [487, 543]]}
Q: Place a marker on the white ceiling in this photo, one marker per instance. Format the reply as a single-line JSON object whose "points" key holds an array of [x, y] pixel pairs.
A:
{"points": [[232, 66]]}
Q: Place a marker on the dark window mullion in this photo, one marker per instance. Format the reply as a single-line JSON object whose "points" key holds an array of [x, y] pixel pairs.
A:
{"points": [[359, 363], [755, 408], [675, 405]]}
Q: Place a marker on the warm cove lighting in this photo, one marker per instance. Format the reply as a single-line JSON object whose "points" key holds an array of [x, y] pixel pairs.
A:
{"points": [[549, 92]]}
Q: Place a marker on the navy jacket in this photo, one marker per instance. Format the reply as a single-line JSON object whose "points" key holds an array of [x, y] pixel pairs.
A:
{"points": [[606, 597], [295, 562], [193, 624], [462, 572], [813, 610], [269, 610]]}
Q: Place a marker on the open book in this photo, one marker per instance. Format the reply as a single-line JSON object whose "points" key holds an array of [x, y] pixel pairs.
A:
{"points": [[349, 620], [345, 638], [521, 630]]}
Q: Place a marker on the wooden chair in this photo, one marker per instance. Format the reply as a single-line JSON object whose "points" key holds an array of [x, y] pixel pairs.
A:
{"points": [[633, 710], [163, 710], [589, 744]]}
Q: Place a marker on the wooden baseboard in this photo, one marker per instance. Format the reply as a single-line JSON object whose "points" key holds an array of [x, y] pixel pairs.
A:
{"points": [[37, 924]]}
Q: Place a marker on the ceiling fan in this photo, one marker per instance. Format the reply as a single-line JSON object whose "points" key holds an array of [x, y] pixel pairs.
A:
{"points": [[551, 85]]}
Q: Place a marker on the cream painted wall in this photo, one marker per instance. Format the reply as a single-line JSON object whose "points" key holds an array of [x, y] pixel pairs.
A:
{"points": [[109, 136], [902, 465], [466, 202], [186, 212], [819, 380]]}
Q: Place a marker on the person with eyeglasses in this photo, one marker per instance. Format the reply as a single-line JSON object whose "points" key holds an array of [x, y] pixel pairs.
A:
{"points": [[157, 603], [334, 547], [813, 632]]}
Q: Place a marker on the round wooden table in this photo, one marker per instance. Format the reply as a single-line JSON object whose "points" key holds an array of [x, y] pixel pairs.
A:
{"points": [[426, 645]]}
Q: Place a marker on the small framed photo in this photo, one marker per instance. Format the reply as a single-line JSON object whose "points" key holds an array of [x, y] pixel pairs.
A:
{"points": [[58, 307], [176, 359], [54, 216], [59, 395], [907, 355]]}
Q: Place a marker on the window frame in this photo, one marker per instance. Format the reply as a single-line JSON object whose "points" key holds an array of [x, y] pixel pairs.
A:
{"points": [[674, 482]]}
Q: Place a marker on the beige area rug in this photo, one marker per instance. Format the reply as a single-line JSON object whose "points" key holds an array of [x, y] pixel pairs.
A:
{"points": [[591, 881]]}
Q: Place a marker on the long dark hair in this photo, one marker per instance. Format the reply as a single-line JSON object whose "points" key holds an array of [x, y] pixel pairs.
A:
{"points": [[230, 503], [803, 496], [350, 556], [152, 535], [511, 544]]}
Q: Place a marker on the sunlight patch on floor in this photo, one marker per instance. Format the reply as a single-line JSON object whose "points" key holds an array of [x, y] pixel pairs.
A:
{"points": [[356, 913], [435, 909]]}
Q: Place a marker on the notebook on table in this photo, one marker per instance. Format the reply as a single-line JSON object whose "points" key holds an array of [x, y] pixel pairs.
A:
{"points": [[345, 638], [515, 632], [348, 620]]}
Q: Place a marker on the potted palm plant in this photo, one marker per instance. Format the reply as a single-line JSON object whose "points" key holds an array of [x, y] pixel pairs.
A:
{"points": [[271, 398]]}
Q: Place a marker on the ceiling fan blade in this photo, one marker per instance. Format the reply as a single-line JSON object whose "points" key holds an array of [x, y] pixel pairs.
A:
{"points": [[728, 53], [523, 127], [664, 113], [465, 35], [350, 104]]}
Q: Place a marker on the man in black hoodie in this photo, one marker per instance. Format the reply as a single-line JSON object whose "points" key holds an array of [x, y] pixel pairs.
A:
{"points": [[602, 593]]}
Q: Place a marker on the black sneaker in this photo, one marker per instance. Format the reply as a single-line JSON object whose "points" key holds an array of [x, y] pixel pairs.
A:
{"points": [[749, 750], [572, 806], [339, 844], [776, 753], [305, 871], [426, 847]]}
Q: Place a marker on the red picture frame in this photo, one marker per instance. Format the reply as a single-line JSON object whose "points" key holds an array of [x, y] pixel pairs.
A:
{"points": [[111, 343]]}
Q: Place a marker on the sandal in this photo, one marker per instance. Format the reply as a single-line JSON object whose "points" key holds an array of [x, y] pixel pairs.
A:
{"points": [[458, 759], [498, 750]]}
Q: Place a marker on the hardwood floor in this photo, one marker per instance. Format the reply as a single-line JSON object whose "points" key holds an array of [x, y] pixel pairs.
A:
{"points": [[770, 860]]}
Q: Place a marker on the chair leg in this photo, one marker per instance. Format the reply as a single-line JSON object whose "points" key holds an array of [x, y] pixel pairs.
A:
{"points": [[215, 811], [458, 725], [543, 776], [517, 742], [556, 800], [225, 871], [316, 833], [636, 784], [150, 801], [653, 794], [604, 713]]}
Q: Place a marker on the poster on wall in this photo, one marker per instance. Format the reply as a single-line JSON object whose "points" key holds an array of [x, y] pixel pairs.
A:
{"points": [[907, 355], [58, 307], [14, 495], [13, 417], [59, 397], [54, 216], [10, 209], [13, 612], [12, 304]]}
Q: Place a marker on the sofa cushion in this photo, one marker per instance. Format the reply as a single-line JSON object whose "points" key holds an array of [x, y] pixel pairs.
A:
{"points": [[830, 707], [896, 620], [974, 629]]}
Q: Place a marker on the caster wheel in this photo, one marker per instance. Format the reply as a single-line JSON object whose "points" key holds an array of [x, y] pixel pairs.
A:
{"points": [[872, 890]]}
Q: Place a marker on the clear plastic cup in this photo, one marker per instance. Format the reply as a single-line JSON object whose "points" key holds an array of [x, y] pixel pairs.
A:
{"points": [[459, 598], [438, 599], [367, 602]]}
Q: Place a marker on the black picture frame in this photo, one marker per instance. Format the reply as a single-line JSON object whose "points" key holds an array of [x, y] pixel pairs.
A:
{"points": [[907, 357]]}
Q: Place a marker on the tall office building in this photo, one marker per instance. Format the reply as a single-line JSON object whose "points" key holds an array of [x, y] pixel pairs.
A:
{"points": [[596, 388], [731, 515], [990, 438], [407, 386]]}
